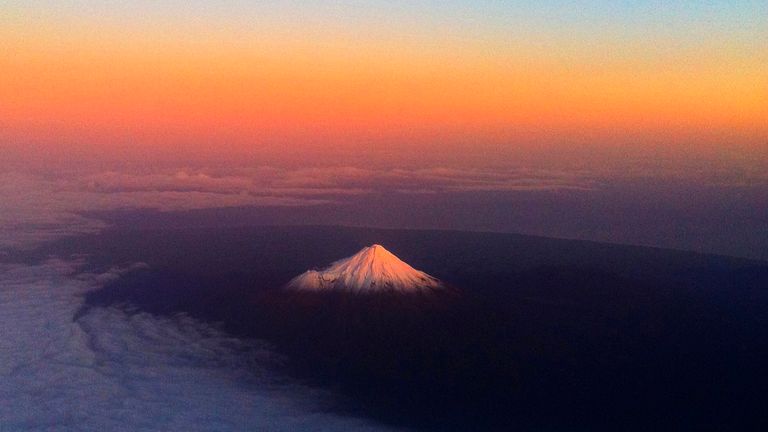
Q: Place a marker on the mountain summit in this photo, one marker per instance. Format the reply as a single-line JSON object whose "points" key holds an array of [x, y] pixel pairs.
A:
{"points": [[373, 269]]}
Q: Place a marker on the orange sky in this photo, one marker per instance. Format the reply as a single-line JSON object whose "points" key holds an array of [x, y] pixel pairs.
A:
{"points": [[240, 92]]}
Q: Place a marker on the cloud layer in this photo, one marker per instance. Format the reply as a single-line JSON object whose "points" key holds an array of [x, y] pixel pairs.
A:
{"points": [[111, 370], [36, 208]]}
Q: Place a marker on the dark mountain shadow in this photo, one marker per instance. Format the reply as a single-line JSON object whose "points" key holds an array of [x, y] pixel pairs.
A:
{"points": [[535, 334]]}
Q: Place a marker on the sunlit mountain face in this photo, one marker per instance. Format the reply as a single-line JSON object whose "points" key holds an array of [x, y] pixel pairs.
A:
{"points": [[373, 269], [369, 215]]}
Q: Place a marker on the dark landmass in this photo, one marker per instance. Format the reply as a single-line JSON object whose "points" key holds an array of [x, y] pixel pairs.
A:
{"points": [[675, 214], [535, 333]]}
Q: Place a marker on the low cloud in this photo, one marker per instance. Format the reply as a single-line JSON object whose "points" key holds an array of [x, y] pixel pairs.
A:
{"points": [[35, 208], [118, 371], [277, 182]]}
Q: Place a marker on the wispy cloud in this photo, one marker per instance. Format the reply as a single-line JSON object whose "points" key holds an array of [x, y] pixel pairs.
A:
{"points": [[269, 181]]}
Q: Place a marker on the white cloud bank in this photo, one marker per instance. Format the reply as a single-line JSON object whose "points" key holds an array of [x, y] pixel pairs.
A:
{"points": [[113, 371]]}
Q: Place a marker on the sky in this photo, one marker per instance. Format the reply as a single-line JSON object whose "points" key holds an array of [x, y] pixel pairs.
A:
{"points": [[384, 82], [642, 122]]}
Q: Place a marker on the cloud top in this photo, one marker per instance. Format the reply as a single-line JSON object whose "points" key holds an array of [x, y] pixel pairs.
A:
{"points": [[118, 371], [36, 208]]}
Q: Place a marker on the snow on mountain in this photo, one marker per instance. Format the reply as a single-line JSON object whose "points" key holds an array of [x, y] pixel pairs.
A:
{"points": [[372, 269]]}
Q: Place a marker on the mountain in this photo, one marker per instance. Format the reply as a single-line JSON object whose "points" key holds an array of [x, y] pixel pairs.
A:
{"points": [[373, 269], [540, 334]]}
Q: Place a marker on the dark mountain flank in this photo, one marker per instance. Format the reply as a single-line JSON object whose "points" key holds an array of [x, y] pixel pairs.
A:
{"points": [[527, 333]]}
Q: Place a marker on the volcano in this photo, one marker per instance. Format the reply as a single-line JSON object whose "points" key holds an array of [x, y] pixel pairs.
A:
{"points": [[373, 269], [526, 333]]}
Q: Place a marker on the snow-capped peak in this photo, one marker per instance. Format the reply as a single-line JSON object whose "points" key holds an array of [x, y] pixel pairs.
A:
{"points": [[372, 269]]}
